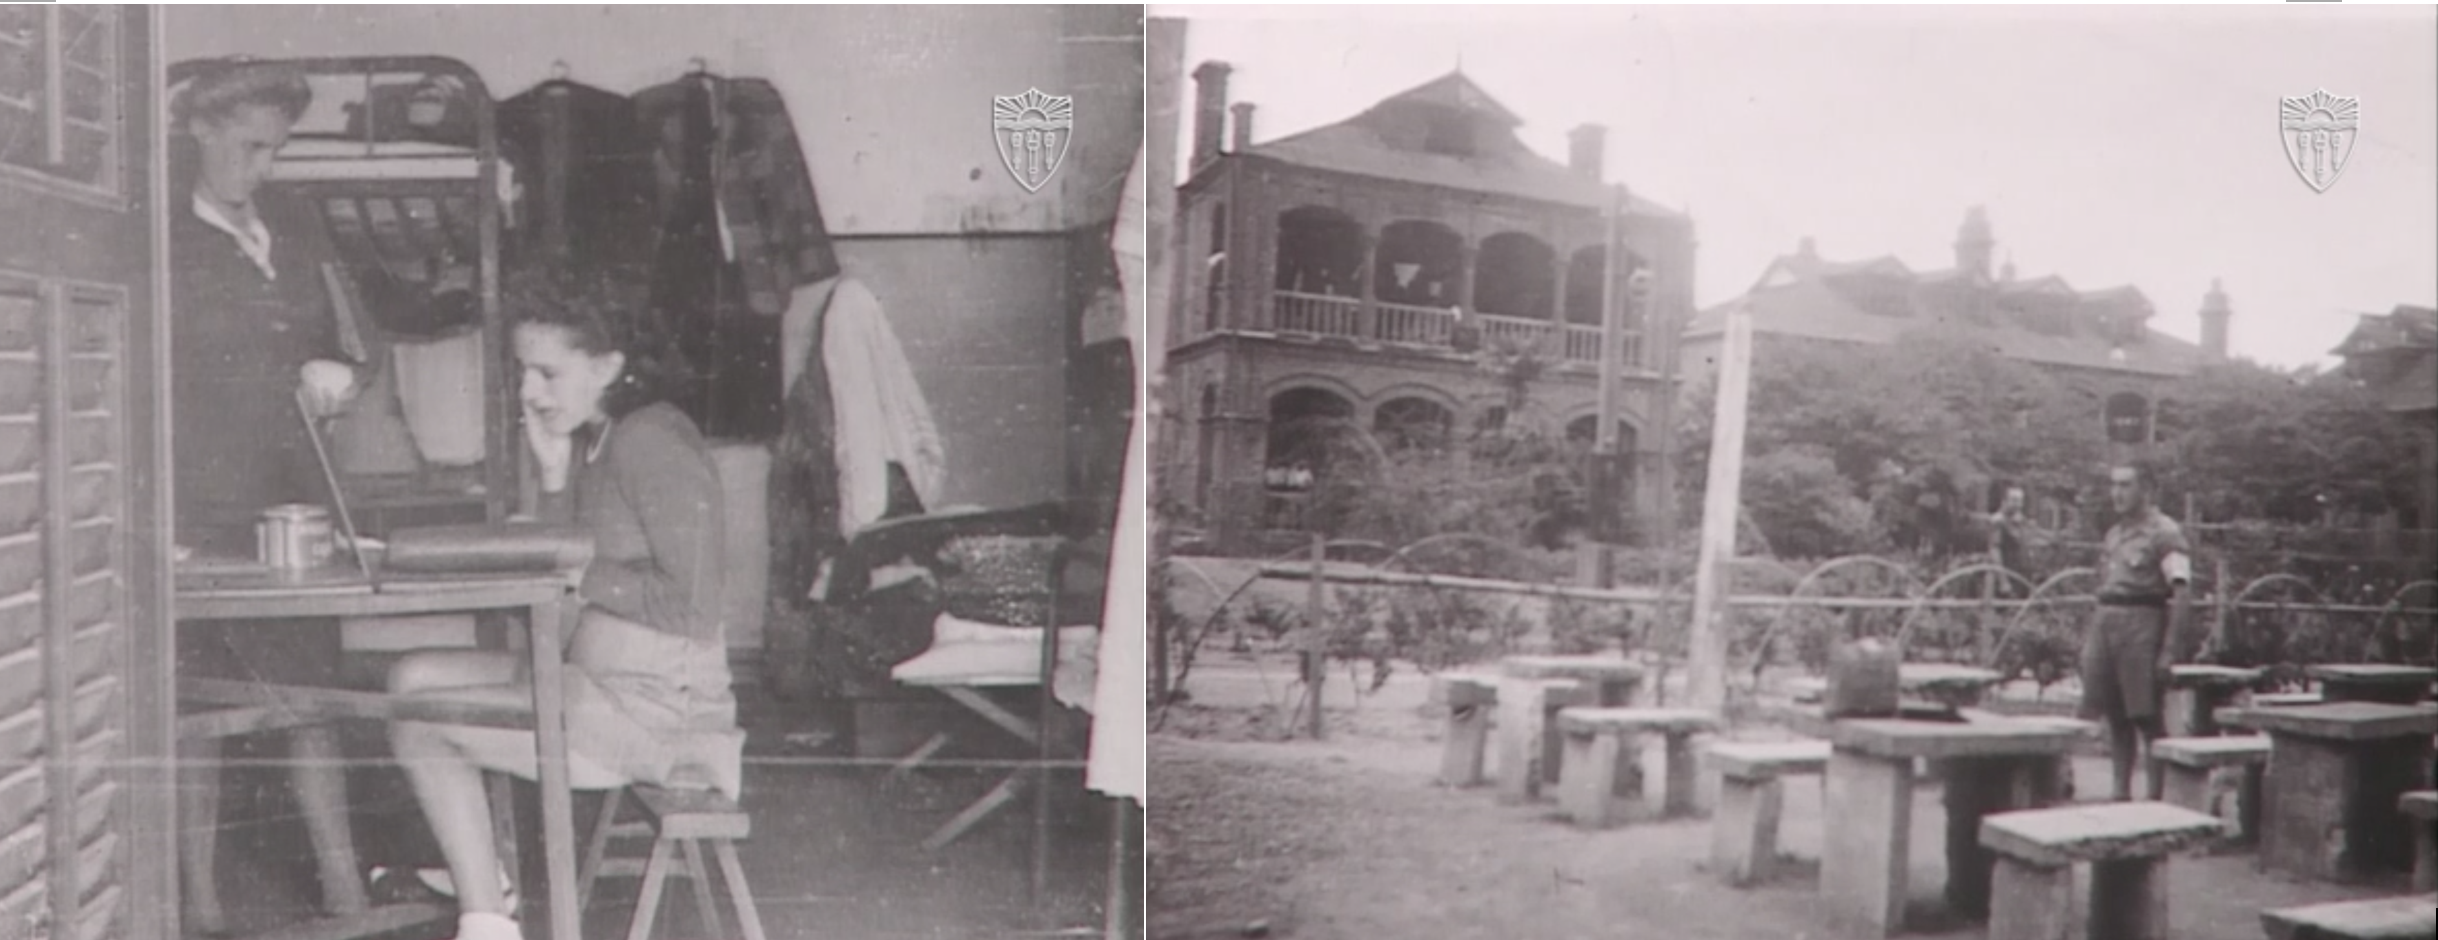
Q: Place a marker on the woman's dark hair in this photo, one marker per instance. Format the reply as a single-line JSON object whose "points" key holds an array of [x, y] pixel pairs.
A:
{"points": [[598, 315], [217, 94]]}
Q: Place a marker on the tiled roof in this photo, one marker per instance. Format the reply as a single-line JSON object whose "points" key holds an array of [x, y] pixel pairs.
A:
{"points": [[1824, 300], [1506, 167]]}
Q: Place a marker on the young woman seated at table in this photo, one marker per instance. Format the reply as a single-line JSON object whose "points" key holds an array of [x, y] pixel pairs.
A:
{"points": [[648, 693]]}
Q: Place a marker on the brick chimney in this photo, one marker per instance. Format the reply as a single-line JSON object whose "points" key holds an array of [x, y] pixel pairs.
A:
{"points": [[1243, 139], [2214, 316], [1587, 147], [1210, 110]]}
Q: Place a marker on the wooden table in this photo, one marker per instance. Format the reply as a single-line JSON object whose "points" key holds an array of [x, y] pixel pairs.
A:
{"points": [[2371, 682], [237, 594], [2336, 772], [1992, 764]]}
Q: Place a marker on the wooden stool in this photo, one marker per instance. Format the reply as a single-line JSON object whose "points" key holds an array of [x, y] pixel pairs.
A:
{"points": [[2404, 918], [2184, 767], [1470, 700], [677, 820], [2128, 845], [2421, 806], [1596, 740], [1751, 794]]}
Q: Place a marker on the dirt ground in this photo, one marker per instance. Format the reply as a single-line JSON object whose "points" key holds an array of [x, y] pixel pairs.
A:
{"points": [[1259, 835]]}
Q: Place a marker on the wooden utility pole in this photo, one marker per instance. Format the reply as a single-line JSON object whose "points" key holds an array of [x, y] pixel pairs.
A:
{"points": [[1721, 502], [1596, 564], [1316, 641]]}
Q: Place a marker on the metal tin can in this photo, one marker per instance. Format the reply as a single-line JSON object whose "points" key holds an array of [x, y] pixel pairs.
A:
{"points": [[294, 537]]}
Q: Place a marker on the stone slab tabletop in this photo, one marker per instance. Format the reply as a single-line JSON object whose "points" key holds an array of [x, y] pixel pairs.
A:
{"points": [[1587, 668], [2372, 673], [1464, 689], [1916, 677], [1897, 738], [2097, 833], [2347, 721], [2397, 918], [2286, 699], [2211, 752], [1754, 760], [2420, 804], [2197, 676], [1665, 720]]}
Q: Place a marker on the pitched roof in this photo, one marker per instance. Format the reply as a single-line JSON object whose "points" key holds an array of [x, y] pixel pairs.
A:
{"points": [[1363, 146], [2397, 353], [1878, 300]]}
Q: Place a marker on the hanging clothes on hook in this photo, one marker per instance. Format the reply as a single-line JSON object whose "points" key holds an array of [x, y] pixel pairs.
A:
{"points": [[738, 229]]}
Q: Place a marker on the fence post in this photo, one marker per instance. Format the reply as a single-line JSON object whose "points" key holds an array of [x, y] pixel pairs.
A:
{"points": [[1316, 646], [2224, 594]]}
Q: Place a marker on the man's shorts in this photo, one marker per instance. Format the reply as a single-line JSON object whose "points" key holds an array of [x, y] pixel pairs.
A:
{"points": [[2120, 661]]}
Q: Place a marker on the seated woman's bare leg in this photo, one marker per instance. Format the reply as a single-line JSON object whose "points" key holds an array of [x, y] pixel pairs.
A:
{"points": [[447, 783]]}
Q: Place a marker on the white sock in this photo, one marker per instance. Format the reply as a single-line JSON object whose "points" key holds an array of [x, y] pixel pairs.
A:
{"points": [[479, 926]]}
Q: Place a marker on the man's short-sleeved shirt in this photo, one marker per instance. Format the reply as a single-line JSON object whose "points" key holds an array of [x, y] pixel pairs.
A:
{"points": [[2142, 554]]}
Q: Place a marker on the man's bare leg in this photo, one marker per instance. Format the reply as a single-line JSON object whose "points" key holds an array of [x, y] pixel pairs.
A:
{"points": [[2124, 747]]}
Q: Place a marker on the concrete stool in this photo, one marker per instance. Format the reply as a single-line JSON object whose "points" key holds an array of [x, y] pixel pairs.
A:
{"points": [[2196, 692], [1526, 707], [2421, 806], [2128, 845], [2404, 918], [1751, 795], [1599, 739], [676, 820], [1470, 700], [2187, 764]]}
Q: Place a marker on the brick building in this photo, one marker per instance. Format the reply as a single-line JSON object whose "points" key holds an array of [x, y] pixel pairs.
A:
{"points": [[1335, 282]]}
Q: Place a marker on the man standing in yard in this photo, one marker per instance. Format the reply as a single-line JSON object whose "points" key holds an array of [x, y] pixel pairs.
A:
{"points": [[2146, 567]]}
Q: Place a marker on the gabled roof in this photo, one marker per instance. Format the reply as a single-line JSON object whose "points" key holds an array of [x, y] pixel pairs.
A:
{"points": [[1805, 296], [1454, 90], [1358, 146], [2397, 354]]}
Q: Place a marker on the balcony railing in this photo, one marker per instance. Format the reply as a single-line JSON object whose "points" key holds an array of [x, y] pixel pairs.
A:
{"points": [[1329, 315]]}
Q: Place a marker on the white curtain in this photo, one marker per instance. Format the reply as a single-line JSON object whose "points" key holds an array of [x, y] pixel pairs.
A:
{"points": [[1120, 719]]}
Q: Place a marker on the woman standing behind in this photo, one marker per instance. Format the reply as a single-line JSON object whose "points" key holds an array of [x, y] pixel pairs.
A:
{"points": [[648, 691]]}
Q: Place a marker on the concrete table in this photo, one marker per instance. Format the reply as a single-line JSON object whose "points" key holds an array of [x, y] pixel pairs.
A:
{"points": [[1527, 708], [1605, 682], [2367, 682], [2129, 847], [1992, 764], [2336, 774], [2196, 692]]}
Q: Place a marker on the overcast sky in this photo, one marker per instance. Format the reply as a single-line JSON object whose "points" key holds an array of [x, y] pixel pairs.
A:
{"points": [[2123, 145]]}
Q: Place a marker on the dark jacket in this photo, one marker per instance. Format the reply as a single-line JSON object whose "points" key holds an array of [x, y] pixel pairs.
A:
{"points": [[739, 131], [237, 341]]}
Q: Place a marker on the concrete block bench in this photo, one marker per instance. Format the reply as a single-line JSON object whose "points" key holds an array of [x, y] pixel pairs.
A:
{"points": [[2421, 806], [2187, 765], [1603, 681], [1751, 796], [2129, 847], [1526, 709], [1600, 740], [1470, 700], [2404, 918]]}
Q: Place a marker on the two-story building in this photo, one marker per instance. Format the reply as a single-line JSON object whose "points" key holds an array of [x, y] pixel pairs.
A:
{"points": [[1347, 281]]}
